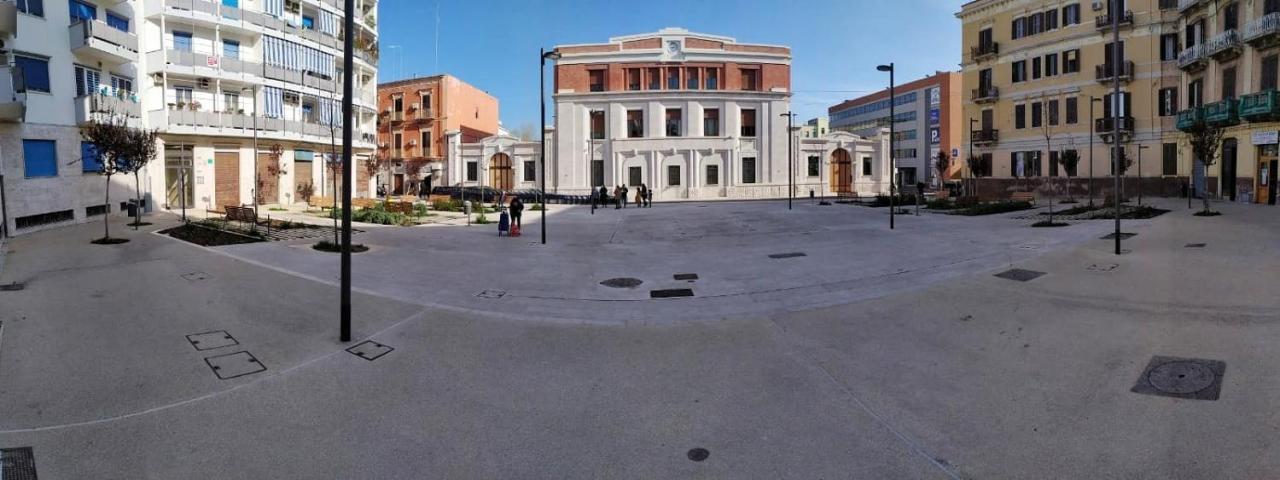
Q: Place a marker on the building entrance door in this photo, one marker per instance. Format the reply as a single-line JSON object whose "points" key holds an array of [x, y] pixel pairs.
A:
{"points": [[841, 171], [1228, 180], [501, 176], [226, 180], [1267, 164], [179, 191]]}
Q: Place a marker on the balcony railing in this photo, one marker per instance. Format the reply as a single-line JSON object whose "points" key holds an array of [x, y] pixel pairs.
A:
{"points": [[396, 153], [1192, 58], [397, 116], [423, 114], [99, 106], [97, 39], [980, 52], [1261, 106], [1222, 114], [1107, 71], [1263, 30], [984, 95], [1103, 21], [1107, 125], [198, 121], [1184, 5], [1190, 119], [13, 95], [1223, 45], [985, 136]]}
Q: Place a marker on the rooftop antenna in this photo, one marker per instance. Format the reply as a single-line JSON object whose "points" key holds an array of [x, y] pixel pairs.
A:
{"points": [[436, 68]]}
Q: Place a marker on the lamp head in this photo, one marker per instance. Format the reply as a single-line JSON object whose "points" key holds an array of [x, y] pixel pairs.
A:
{"points": [[885, 68], [551, 55]]}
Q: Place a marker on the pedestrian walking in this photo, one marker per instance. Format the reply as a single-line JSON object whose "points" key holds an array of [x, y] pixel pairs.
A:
{"points": [[617, 197], [648, 198], [622, 196], [640, 193]]}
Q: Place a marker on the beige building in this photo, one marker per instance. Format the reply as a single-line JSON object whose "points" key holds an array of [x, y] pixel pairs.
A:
{"points": [[1043, 67], [1230, 64]]}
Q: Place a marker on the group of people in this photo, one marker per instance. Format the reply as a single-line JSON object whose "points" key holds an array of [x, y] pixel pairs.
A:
{"points": [[643, 196]]}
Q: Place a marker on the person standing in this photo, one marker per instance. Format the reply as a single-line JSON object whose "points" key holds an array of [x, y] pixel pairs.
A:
{"points": [[648, 198], [517, 208], [623, 196], [640, 193], [617, 197]]}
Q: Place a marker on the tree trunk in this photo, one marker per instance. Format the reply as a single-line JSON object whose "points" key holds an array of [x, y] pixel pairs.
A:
{"points": [[106, 226], [137, 189]]}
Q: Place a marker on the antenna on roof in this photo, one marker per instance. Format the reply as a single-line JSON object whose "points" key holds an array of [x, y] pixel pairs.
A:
{"points": [[437, 53]]}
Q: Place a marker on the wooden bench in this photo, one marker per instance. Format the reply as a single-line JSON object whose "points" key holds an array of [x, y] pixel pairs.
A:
{"points": [[240, 214], [400, 207], [322, 202], [1028, 197], [435, 198]]}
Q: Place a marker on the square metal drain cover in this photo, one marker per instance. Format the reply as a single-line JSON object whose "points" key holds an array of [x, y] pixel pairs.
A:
{"points": [[212, 340], [1191, 378], [788, 255], [195, 276], [234, 365], [492, 294], [1196, 245], [17, 464], [369, 350], [12, 287], [686, 276], [1123, 236], [1020, 274], [671, 293]]}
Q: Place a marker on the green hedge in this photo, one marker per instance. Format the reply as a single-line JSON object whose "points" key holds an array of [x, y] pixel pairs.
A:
{"points": [[994, 208]]}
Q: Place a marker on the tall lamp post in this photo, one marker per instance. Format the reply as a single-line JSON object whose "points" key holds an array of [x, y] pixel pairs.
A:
{"points": [[348, 50], [893, 170], [1116, 103], [543, 56], [791, 177], [254, 91], [1092, 100], [1141, 147]]}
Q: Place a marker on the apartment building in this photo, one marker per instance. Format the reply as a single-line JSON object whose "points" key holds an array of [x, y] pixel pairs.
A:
{"points": [[219, 80], [1026, 76], [414, 117], [927, 117], [814, 127], [1230, 63], [691, 115]]}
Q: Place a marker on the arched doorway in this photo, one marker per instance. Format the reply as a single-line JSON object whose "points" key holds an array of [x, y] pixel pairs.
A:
{"points": [[841, 171], [501, 176]]}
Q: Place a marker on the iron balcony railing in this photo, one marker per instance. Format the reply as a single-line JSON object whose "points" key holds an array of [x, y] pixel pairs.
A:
{"points": [[1109, 71], [1191, 56], [984, 50], [1223, 113], [1225, 42], [1261, 106], [1190, 119], [987, 94], [986, 135], [1106, 125], [1103, 21], [1266, 26]]}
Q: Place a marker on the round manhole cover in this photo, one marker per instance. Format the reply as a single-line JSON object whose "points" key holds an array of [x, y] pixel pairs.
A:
{"points": [[698, 454], [625, 282], [1181, 377]]}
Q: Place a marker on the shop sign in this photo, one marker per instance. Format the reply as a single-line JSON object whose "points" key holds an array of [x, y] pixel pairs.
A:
{"points": [[1266, 138]]}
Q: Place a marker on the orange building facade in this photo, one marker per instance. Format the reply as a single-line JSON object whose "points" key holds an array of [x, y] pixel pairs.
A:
{"points": [[414, 117]]}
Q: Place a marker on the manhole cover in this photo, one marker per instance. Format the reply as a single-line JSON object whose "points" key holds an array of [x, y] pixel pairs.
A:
{"points": [[212, 340], [1196, 245], [17, 464], [686, 276], [12, 287], [788, 255], [370, 350], [1189, 378], [1123, 236], [1020, 275], [196, 276], [698, 454], [1103, 267], [624, 282], [671, 293], [492, 294], [234, 365]]}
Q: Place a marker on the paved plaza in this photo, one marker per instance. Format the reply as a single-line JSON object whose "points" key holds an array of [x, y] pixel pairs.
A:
{"points": [[816, 343]]}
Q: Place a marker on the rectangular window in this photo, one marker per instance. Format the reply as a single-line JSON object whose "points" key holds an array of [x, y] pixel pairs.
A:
{"points": [[866, 166], [673, 78], [1035, 68], [1073, 111], [748, 169], [596, 78], [1019, 69], [748, 123], [1050, 64], [635, 123], [1121, 108], [713, 79], [1195, 93], [82, 11], [1270, 65], [1071, 61], [1170, 159], [308, 22], [597, 173], [673, 175], [1270, 7], [750, 79], [473, 171], [1169, 47], [1168, 101], [397, 104], [634, 177], [87, 81], [1016, 28], [39, 158], [1231, 16], [426, 142], [711, 122], [713, 174], [655, 79], [815, 163], [530, 171], [1019, 116], [230, 102], [31, 7], [691, 78], [1052, 107], [673, 122], [122, 84], [1053, 163], [117, 22], [1229, 83], [1051, 19], [182, 95], [231, 49], [597, 124], [182, 41], [90, 161], [633, 79], [35, 71]]}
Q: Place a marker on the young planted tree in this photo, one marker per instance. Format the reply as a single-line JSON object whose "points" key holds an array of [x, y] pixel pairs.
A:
{"points": [[413, 173], [335, 170], [1205, 143], [275, 168], [373, 164], [140, 149], [110, 136], [1068, 159], [1046, 128], [975, 170], [942, 162]]}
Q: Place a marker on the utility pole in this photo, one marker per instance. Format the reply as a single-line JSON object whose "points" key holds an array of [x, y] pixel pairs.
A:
{"points": [[791, 177], [348, 50], [1116, 104]]}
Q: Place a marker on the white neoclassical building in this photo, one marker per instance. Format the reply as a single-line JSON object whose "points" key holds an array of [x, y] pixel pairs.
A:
{"points": [[500, 161]]}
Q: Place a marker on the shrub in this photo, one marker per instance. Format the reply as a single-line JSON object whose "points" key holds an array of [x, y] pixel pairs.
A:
{"points": [[481, 219], [966, 202], [941, 204], [902, 199], [446, 205], [994, 208]]}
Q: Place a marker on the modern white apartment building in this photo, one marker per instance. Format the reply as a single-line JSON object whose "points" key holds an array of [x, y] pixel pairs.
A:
{"points": [[215, 78]]}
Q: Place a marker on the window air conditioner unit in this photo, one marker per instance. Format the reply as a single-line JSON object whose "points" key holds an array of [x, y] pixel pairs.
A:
{"points": [[416, 106], [1098, 5]]}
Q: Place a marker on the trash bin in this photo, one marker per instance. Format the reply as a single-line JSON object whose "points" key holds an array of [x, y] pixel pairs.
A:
{"points": [[132, 208], [504, 224]]}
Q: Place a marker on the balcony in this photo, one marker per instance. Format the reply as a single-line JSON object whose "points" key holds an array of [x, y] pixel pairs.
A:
{"points": [[986, 136], [1221, 114], [103, 42], [1107, 72], [986, 95], [1261, 106], [1186, 5], [13, 95], [1103, 21], [1223, 46], [108, 103], [396, 153], [8, 19], [1264, 31], [1193, 58], [1106, 127], [981, 52], [422, 114], [397, 116], [1190, 119], [204, 122]]}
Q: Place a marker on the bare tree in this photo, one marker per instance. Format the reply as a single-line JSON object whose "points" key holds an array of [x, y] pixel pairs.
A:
{"points": [[140, 149], [373, 164], [1068, 159], [942, 162], [1205, 143], [275, 168], [526, 131], [110, 136]]}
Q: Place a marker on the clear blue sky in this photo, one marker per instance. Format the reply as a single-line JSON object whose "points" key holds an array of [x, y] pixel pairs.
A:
{"points": [[836, 44]]}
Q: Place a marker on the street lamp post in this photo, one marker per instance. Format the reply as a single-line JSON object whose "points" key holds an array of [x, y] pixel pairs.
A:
{"points": [[348, 50], [254, 91], [543, 55], [791, 177], [1116, 104], [1092, 100], [1140, 149], [893, 171]]}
